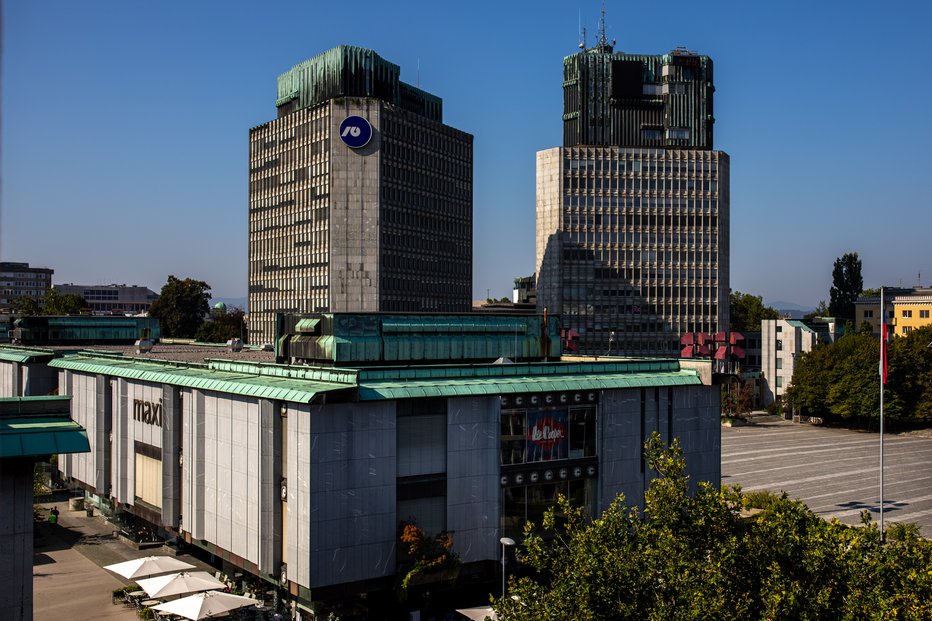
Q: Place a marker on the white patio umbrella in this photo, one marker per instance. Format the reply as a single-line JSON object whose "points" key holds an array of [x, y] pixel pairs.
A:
{"points": [[148, 566], [478, 614], [177, 584], [203, 605]]}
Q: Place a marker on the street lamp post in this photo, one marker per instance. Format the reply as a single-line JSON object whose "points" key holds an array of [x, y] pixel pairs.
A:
{"points": [[506, 541]]}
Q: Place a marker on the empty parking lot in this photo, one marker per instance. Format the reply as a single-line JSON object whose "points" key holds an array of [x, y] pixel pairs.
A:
{"points": [[834, 471]]}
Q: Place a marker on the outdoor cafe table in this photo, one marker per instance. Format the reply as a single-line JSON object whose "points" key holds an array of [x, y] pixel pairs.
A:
{"points": [[149, 603], [135, 596]]}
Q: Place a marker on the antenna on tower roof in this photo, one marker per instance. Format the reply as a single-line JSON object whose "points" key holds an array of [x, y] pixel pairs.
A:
{"points": [[603, 45]]}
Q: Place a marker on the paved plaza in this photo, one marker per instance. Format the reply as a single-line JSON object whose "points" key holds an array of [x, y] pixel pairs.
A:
{"points": [[69, 581], [834, 471]]}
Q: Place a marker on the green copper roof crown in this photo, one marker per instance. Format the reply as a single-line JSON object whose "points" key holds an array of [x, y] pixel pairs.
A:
{"points": [[638, 100], [349, 71]]}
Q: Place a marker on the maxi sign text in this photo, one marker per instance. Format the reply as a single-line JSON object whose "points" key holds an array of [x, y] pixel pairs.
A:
{"points": [[147, 412]]}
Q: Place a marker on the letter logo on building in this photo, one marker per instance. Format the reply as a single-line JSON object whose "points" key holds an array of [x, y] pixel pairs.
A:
{"points": [[547, 435], [355, 132], [147, 412]]}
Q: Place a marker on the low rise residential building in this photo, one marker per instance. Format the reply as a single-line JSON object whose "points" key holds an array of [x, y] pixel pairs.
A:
{"points": [[19, 280], [912, 311], [782, 342], [906, 308]]}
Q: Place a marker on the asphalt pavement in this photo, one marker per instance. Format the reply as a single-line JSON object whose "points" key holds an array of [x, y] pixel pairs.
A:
{"points": [[836, 472]]}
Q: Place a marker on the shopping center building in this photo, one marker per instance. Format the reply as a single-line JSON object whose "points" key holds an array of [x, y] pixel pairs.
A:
{"points": [[298, 468]]}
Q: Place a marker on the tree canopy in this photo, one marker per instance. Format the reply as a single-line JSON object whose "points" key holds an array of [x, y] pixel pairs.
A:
{"points": [[842, 379], [51, 303], [700, 556], [182, 306], [847, 285], [747, 311], [223, 325]]}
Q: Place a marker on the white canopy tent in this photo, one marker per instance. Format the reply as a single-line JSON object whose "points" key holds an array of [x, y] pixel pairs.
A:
{"points": [[179, 584], [148, 566], [203, 605]]}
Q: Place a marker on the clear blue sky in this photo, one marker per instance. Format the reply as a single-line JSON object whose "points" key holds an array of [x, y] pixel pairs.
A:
{"points": [[125, 125]]}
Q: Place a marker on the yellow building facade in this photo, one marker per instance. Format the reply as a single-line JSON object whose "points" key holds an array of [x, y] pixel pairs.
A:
{"points": [[912, 312]]}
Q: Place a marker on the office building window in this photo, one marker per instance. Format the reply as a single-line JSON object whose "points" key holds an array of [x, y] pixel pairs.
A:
{"points": [[923, 314], [868, 314], [907, 313]]}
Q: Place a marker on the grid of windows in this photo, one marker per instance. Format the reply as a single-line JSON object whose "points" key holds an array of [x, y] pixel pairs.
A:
{"points": [[637, 247], [414, 215], [289, 218]]}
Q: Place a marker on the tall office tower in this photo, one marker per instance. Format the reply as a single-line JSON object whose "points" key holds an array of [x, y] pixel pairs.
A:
{"points": [[360, 198], [632, 210]]}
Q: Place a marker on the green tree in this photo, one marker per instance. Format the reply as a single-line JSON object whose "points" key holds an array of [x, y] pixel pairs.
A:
{"points": [[737, 399], [55, 303], [909, 376], [841, 380], [847, 284], [222, 326], [181, 307], [698, 556], [25, 306], [747, 311]]}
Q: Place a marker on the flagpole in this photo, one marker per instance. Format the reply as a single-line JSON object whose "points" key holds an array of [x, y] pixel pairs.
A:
{"points": [[883, 379]]}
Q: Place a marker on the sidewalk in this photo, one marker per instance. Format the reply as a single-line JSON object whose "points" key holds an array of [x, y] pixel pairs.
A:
{"points": [[69, 581]]}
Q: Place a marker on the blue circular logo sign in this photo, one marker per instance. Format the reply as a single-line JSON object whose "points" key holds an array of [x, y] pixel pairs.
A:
{"points": [[355, 132]]}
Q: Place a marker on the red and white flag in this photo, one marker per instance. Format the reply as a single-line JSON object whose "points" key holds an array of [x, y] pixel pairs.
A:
{"points": [[883, 342]]}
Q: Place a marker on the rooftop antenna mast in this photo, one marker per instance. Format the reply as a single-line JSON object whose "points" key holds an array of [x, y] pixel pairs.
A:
{"points": [[603, 44], [602, 41], [582, 35]]}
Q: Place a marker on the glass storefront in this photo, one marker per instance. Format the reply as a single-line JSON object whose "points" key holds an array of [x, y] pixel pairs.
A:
{"points": [[546, 452]]}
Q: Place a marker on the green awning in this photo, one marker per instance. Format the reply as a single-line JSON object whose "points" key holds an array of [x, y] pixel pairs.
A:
{"points": [[31, 437]]}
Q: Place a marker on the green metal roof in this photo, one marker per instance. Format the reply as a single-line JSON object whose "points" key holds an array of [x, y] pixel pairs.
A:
{"points": [[301, 384], [497, 379], [799, 324], [247, 380], [477, 386], [23, 355], [35, 426]]}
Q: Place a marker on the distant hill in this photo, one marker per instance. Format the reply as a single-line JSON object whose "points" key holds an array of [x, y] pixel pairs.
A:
{"points": [[790, 309]]}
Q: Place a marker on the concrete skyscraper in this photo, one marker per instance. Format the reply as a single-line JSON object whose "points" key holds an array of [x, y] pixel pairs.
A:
{"points": [[360, 198], [633, 209]]}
